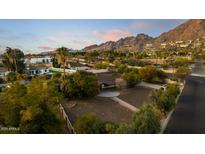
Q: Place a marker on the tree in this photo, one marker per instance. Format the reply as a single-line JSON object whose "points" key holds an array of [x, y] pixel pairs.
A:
{"points": [[148, 73], [11, 104], [13, 59], [81, 84], [172, 90], [165, 100], [131, 78], [101, 65], [11, 77], [89, 124], [34, 109], [147, 120], [62, 56], [42, 103]]}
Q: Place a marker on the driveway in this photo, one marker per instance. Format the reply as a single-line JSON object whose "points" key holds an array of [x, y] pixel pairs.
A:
{"points": [[189, 114]]}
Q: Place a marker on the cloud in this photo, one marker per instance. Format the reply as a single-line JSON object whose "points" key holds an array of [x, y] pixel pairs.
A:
{"points": [[46, 48], [138, 26], [82, 42], [112, 35]]}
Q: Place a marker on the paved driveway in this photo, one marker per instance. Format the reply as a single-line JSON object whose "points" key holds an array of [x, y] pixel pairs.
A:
{"points": [[189, 114]]}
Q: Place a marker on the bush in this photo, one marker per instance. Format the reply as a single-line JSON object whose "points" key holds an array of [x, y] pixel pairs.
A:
{"points": [[147, 120], [89, 124], [101, 65], [11, 77], [33, 108], [81, 84], [165, 100], [148, 73], [2, 81], [182, 72], [131, 78]]}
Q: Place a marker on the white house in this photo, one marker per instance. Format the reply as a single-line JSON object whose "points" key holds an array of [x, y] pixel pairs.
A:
{"points": [[34, 60], [37, 70], [77, 66], [3, 72]]}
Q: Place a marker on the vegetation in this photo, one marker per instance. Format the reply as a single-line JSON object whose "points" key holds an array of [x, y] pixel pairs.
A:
{"points": [[165, 100], [11, 77], [33, 108], [13, 59], [81, 84], [151, 74], [131, 78], [62, 56], [147, 120], [100, 65], [182, 72], [89, 124]]}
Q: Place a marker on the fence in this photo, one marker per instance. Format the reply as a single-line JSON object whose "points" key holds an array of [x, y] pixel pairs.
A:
{"points": [[68, 123]]}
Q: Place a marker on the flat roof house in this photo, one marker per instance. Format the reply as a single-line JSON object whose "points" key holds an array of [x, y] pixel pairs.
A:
{"points": [[3, 72], [106, 80], [37, 70]]}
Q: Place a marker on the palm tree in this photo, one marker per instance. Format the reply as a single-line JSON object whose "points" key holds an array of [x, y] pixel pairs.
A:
{"points": [[62, 56], [13, 59]]}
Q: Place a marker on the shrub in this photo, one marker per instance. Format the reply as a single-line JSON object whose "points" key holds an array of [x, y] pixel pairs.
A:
{"points": [[182, 72], [148, 73], [81, 84], [131, 78], [89, 124], [165, 100], [147, 120], [11, 77], [101, 65]]}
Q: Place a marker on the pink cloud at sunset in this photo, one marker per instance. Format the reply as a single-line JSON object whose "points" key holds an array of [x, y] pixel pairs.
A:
{"points": [[112, 35], [46, 48]]}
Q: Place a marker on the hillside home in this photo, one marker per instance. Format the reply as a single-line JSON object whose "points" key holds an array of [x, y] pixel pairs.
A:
{"points": [[37, 70], [3, 72], [77, 66], [106, 80], [39, 59]]}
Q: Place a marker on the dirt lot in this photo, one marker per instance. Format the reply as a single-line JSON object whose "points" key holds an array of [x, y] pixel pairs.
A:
{"points": [[104, 108], [135, 96]]}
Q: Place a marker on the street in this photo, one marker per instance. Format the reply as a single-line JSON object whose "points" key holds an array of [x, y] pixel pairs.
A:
{"points": [[189, 114]]}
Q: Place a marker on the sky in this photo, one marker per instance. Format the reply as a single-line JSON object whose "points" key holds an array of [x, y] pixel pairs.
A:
{"points": [[35, 36]]}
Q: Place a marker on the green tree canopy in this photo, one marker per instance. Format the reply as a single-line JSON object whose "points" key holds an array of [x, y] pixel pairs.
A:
{"points": [[13, 59], [147, 120], [81, 84]]}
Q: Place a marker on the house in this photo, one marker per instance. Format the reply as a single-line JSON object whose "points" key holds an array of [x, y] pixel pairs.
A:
{"points": [[179, 42], [163, 45], [77, 66], [3, 72], [37, 70], [184, 45], [38, 59], [106, 80]]}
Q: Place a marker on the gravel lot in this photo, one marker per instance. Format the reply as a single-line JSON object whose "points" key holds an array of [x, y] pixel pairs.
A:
{"points": [[104, 108], [135, 96]]}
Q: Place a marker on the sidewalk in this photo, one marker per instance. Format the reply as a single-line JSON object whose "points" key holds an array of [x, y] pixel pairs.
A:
{"points": [[150, 85]]}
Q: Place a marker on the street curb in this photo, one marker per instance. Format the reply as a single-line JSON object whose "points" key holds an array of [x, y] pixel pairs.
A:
{"points": [[166, 121]]}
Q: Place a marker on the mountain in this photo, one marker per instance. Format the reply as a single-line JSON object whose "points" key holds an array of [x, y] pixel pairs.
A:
{"points": [[124, 44], [190, 30]]}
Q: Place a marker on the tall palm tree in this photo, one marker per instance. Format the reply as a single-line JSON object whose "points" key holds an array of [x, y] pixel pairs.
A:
{"points": [[62, 56], [8, 59]]}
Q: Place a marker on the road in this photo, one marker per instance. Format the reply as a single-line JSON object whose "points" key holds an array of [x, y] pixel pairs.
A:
{"points": [[189, 114]]}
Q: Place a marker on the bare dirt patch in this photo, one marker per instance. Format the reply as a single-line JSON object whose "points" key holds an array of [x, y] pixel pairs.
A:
{"points": [[104, 108], [135, 96]]}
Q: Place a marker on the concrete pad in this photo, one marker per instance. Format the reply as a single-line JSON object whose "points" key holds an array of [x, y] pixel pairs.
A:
{"points": [[109, 94]]}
